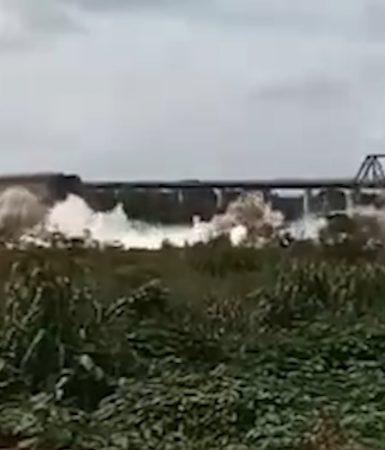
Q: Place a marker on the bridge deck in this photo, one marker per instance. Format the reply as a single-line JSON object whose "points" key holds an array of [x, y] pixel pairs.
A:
{"points": [[342, 183], [278, 183]]}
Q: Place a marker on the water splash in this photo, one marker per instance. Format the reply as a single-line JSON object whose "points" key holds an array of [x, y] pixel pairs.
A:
{"points": [[307, 228], [247, 218], [75, 219], [19, 210]]}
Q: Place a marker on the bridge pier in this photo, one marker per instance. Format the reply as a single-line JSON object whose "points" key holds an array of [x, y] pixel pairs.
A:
{"points": [[267, 195], [180, 196], [325, 205], [349, 199], [219, 198], [306, 202]]}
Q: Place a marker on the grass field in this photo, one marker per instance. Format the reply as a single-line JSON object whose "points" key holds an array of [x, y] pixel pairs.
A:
{"points": [[204, 348]]}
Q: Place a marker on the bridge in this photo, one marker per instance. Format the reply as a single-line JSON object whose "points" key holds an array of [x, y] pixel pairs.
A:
{"points": [[280, 183], [178, 201], [371, 175]]}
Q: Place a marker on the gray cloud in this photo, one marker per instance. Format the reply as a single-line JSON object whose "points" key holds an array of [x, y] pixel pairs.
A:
{"points": [[309, 91], [190, 88], [23, 21], [310, 16]]}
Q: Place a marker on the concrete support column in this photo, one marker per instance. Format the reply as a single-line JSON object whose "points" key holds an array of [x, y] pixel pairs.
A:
{"points": [[267, 195], [306, 202], [219, 196], [325, 208], [180, 196], [349, 196]]}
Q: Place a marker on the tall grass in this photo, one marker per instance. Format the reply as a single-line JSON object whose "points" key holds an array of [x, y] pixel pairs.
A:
{"points": [[201, 348]]}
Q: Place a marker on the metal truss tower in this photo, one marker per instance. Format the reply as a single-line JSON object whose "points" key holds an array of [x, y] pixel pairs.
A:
{"points": [[371, 171]]}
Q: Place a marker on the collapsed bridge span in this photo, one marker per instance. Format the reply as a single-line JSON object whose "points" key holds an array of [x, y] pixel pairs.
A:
{"points": [[180, 201]]}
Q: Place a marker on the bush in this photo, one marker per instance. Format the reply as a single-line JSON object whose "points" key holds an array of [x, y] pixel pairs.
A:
{"points": [[89, 359]]}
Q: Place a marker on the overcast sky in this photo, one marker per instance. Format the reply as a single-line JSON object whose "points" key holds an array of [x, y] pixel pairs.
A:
{"points": [[126, 89]]}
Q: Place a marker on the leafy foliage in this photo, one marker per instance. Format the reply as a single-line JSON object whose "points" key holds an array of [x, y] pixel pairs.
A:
{"points": [[226, 348]]}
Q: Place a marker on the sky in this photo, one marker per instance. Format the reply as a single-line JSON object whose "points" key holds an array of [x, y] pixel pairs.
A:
{"points": [[172, 89]]}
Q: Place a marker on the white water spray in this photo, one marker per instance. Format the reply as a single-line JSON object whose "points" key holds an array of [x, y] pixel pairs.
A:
{"points": [[19, 210], [249, 214], [307, 228], [75, 219], [249, 219]]}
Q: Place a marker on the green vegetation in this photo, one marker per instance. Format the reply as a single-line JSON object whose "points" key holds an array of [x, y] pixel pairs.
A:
{"points": [[202, 348]]}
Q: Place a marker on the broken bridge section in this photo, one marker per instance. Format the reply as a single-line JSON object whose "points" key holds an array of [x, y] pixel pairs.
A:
{"points": [[48, 187], [179, 201]]}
